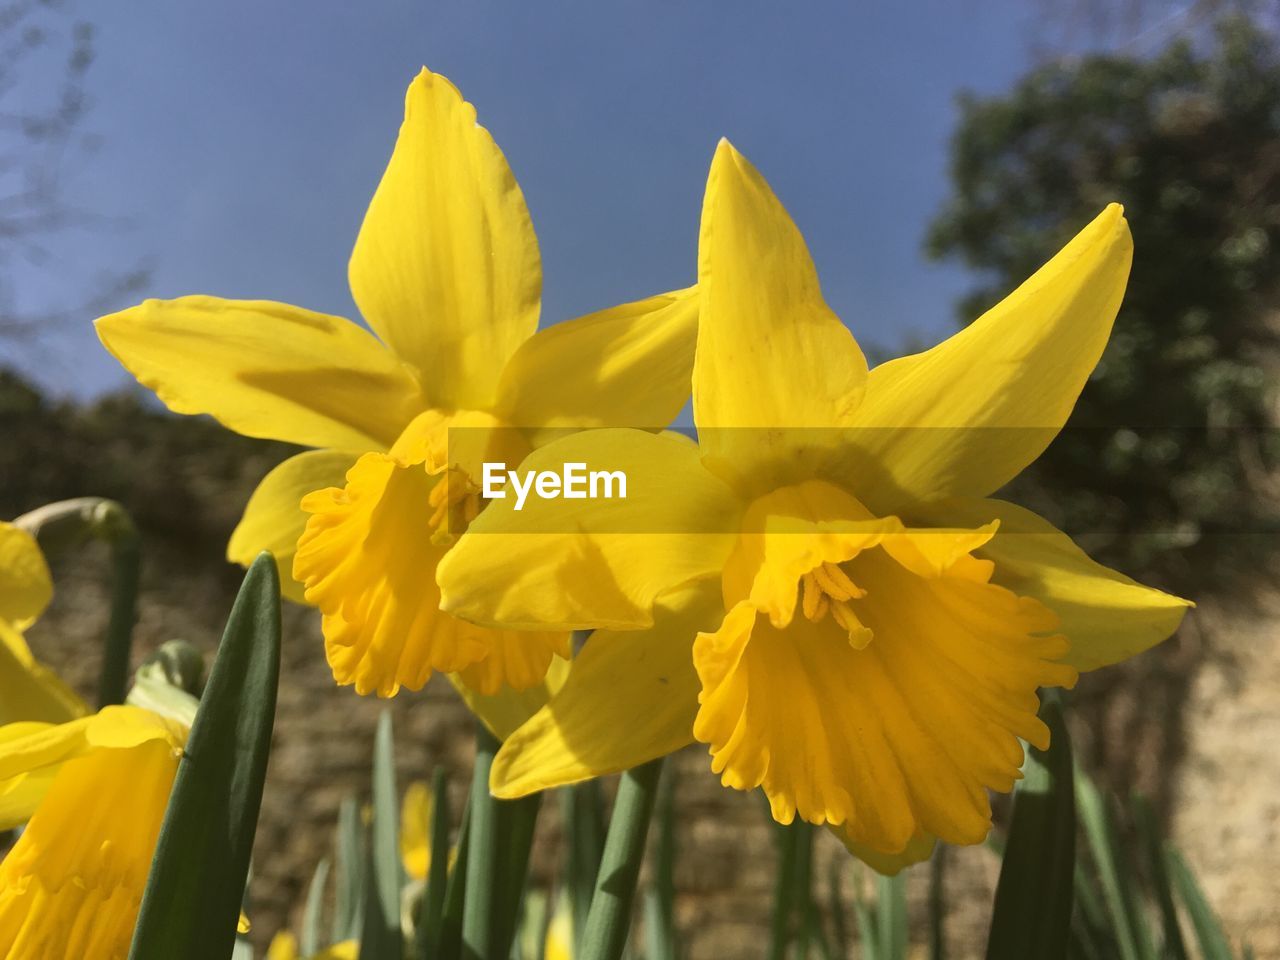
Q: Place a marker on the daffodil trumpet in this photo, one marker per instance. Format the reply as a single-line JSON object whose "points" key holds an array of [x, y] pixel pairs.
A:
{"points": [[819, 589], [92, 792]]}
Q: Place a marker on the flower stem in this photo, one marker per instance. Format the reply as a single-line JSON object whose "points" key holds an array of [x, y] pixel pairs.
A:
{"points": [[65, 525], [609, 920], [126, 565], [482, 859]]}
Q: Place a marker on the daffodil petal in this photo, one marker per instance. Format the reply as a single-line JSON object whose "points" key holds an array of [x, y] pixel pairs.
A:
{"points": [[345, 950], [628, 366], [122, 727], [25, 584], [965, 417], [273, 518], [507, 710], [283, 946], [918, 849], [630, 696], [29, 690], [775, 367], [267, 369], [517, 659], [30, 746], [1106, 616], [446, 267], [587, 563], [20, 796], [72, 884]]}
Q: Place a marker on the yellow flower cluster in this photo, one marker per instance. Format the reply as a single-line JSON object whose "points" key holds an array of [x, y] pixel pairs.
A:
{"points": [[819, 589]]}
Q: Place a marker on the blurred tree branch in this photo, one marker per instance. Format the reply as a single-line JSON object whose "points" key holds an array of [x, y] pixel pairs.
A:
{"points": [[1139, 27], [42, 137]]}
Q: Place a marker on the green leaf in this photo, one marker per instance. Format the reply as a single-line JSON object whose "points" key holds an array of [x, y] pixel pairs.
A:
{"points": [[609, 921], [1100, 832], [1032, 912], [802, 881], [516, 822], [1209, 934], [938, 904], [840, 931], [867, 922], [482, 863], [455, 893], [309, 940], [349, 892], [431, 911], [787, 841], [192, 898], [380, 937], [1149, 837]]}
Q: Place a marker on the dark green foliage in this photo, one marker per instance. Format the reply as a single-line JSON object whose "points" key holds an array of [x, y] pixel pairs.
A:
{"points": [[1031, 916], [1171, 442], [197, 880]]}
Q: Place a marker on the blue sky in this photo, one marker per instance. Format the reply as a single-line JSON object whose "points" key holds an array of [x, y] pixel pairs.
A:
{"points": [[242, 140]]}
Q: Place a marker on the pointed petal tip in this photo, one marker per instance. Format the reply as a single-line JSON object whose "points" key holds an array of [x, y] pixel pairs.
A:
{"points": [[728, 156]]}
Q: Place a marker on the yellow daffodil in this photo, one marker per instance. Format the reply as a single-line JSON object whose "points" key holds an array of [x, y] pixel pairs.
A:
{"points": [[284, 946], [559, 940], [818, 590], [416, 811], [28, 690], [94, 791], [446, 271]]}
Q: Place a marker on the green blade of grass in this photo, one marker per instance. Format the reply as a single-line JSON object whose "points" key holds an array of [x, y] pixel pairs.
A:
{"points": [[867, 923], [1099, 831], [1209, 933], [802, 882], [309, 940], [431, 912], [191, 902], [839, 928], [787, 842], [455, 893], [1034, 896], [349, 889], [1174, 948], [482, 862], [380, 937], [938, 904]]}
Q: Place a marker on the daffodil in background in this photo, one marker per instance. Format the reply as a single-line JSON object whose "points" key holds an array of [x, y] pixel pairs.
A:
{"points": [[415, 830], [284, 946], [92, 792], [447, 273], [28, 690], [819, 590]]}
